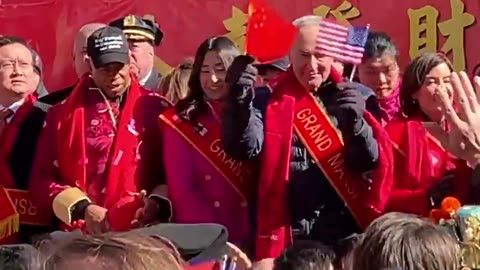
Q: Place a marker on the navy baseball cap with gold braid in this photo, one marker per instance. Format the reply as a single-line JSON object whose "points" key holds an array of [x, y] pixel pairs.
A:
{"points": [[137, 28]]}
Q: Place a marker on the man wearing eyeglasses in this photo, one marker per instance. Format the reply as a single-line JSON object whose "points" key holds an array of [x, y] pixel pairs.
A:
{"points": [[21, 121]]}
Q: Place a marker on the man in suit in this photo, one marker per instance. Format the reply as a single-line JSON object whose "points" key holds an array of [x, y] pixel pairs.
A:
{"points": [[143, 35], [21, 120]]}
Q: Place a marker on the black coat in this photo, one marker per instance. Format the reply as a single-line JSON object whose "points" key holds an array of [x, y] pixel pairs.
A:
{"points": [[21, 159], [22, 156]]}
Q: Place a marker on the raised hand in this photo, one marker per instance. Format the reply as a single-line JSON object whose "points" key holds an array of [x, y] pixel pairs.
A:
{"points": [[96, 219], [241, 71], [350, 106], [237, 256], [241, 76], [148, 213], [463, 137]]}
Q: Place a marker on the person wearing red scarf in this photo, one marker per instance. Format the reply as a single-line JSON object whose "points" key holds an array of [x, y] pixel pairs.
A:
{"points": [[425, 172], [315, 140], [379, 70], [94, 152], [205, 185], [21, 121]]}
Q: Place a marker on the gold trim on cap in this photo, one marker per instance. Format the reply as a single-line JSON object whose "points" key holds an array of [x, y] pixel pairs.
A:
{"points": [[146, 34], [136, 37], [65, 200], [130, 20]]}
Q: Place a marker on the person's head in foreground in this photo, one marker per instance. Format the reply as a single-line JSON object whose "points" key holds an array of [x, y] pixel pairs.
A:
{"points": [[344, 251], [120, 251], [397, 240], [424, 76], [308, 255]]}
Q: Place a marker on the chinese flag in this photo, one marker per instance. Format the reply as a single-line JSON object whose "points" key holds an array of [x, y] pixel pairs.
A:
{"points": [[269, 36]]}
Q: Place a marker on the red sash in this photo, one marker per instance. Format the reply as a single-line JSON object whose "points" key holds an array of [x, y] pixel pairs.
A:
{"points": [[206, 140], [324, 143], [29, 213]]}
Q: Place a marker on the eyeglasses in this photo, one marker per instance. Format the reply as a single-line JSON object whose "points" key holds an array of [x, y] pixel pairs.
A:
{"points": [[8, 65]]}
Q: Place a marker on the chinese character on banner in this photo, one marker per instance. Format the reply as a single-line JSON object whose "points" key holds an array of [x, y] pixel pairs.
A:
{"points": [[343, 13], [237, 27], [423, 31]]}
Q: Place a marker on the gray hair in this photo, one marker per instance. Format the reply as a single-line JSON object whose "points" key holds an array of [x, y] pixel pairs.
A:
{"points": [[23, 257], [307, 20]]}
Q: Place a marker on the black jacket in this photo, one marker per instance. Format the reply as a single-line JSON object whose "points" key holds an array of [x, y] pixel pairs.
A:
{"points": [[316, 209], [57, 96]]}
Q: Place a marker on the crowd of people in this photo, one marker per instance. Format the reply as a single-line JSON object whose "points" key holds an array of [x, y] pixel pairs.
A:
{"points": [[229, 163]]}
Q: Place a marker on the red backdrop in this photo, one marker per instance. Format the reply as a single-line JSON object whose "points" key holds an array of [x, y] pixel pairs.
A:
{"points": [[415, 25]]}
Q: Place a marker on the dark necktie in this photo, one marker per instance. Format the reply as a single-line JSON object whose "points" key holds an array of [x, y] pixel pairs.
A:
{"points": [[4, 115]]}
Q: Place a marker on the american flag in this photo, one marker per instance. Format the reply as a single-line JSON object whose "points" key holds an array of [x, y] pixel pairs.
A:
{"points": [[345, 44]]}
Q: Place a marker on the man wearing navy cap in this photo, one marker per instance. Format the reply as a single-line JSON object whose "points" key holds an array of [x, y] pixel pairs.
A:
{"points": [[271, 70], [92, 160], [142, 35]]}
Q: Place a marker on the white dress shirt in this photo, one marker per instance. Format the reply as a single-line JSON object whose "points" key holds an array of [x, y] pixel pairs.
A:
{"points": [[14, 108], [144, 80]]}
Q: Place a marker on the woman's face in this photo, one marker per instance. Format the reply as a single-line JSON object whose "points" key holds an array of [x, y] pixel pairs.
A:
{"points": [[381, 74], [212, 76], [437, 78]]}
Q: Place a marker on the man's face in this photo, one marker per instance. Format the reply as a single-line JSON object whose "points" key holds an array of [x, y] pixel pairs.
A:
{"points": [[310, 68], [142, 53], [33, 80], [16, 70], [113, 79], [80, 57]]}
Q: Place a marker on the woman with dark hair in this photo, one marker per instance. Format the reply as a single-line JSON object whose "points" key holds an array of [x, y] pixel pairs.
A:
{"points": [[205, 185], [425, 173], [380, 72]]}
